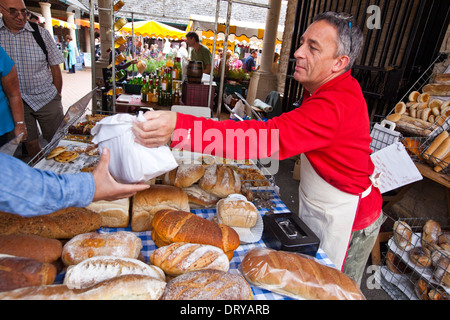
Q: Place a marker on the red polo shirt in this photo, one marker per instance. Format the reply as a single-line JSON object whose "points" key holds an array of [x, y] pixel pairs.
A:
{"points": [[331, 128]]}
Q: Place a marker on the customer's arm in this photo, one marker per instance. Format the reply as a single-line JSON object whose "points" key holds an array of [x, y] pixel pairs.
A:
{"points": [[31, 192], [10, 85]]}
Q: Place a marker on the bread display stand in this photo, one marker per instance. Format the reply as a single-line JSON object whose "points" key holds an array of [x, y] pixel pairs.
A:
{"points": [[400, 276]]}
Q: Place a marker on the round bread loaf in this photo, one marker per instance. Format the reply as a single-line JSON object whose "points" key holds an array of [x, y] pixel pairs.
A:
{"points": [[421, 257], [220, 180], [236, 211], [184, 175], [208, 285]]}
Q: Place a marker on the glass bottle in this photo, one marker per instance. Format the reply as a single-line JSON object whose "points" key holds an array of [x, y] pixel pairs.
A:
{"points": [[120, 74], [144, 91]]}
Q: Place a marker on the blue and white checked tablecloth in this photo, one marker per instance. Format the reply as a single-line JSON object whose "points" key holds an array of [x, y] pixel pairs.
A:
{"points": [[259, 294]]}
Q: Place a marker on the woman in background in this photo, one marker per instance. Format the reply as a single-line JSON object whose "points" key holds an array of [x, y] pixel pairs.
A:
{"points": [[71, 58]]}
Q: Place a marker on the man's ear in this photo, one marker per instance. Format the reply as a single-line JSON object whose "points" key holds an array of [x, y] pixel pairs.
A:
{"points": [[341, 63]]}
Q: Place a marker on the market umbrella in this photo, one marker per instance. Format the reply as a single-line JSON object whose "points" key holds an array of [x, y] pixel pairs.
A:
{"points": [[153, 29]]}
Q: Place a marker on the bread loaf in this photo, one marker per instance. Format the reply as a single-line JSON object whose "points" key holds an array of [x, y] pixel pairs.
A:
{"points": [[18, 272], [62, 224], [119, 244], [181, 257], [220, 180], [31, 246], [442, 78], [430, 234], [402, 234], [114, 214], [171, 226], [184, 175], [126, 287], [297, 276], [413, 96], [236, 211], [441, 152], [208, 285], [435, 144], [437, 89], [199, 198], [158, 197], [96, 269]]}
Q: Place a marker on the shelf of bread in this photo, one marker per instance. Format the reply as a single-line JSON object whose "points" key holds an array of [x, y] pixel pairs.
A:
{"points": [[417, 262]]}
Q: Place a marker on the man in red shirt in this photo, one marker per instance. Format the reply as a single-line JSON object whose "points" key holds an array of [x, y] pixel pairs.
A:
{"points": [[331, 131]]}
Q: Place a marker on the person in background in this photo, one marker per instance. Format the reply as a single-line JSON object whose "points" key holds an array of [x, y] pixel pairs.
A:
{"points": [[28, 191], [236, 63], [184, 57], [338, 195], [72, 54], [11, 106], [198, 51], [218, 58], [276, 58], [250, 62], [40, 78]]}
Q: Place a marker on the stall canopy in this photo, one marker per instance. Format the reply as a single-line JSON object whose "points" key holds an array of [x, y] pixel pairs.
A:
{"points": [[87, 23], [153, 29], [242, 31]]}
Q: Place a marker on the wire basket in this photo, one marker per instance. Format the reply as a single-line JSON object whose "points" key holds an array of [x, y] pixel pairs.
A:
{"points": [[414, 269]]}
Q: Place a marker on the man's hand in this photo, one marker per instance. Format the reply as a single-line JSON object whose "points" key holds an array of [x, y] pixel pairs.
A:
{"points": [[106, 188], [157, 130]]}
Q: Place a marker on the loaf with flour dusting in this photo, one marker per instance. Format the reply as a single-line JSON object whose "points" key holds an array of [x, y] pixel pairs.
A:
{"points": [[126, 287], [185, 175], [208, 285], [118, 244], [220, 180], [181, 257], [96, 269], [171, 226]]}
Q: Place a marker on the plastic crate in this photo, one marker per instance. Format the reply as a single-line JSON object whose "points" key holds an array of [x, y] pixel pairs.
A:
{"points": [[383, 135], [195, 94], [133, 88]]}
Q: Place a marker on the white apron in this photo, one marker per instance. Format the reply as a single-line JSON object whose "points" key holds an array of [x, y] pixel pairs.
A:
{"points": [[327, 211]]}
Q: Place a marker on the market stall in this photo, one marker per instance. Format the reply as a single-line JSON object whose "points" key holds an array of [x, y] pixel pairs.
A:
{"points": [[416, 265], [115, 235]]}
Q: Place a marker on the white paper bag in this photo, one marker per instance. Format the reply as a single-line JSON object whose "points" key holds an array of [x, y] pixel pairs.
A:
{"points": [[130, 162]]}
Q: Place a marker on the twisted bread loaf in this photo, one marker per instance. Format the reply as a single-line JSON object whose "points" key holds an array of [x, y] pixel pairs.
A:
{"points": [[297, 276], [179, 226], [126, 287], [62, 224], [181, 257]]}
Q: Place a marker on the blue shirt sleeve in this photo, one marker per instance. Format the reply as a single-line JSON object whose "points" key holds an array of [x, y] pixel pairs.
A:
{"points": [[30, 192]]}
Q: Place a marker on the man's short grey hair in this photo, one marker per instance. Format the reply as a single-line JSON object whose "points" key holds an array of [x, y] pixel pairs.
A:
{"points": [[350, 37]]}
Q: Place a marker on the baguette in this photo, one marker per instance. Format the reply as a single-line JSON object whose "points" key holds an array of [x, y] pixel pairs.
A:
{"points": [[441, 152], [96, 269], [62, 224], [437, 89], [297, 276], [18, 272], [442, 164], [407, 127], [30, 246], [435, 144], [181, 257], [126, 287], [171, 226], [442, 78], [118, 244]]}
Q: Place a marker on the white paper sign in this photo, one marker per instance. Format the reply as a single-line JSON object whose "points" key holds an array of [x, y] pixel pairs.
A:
{"points": [[396, 167]]}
